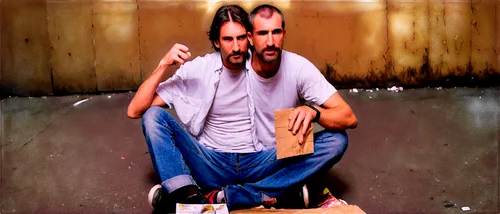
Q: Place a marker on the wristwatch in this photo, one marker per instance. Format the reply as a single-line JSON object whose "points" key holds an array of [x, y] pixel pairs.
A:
{"points": [[316, 119]]}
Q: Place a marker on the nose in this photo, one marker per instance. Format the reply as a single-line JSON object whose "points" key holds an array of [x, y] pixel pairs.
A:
{"points": [[270, 41], [236, 46]]}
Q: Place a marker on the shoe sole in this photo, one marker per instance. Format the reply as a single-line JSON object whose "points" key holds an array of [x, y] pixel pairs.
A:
{"points": [[151, 194], [305, 193]]}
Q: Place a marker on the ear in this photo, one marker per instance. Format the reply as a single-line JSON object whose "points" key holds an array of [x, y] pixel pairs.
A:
{"points": [[250, 38], [284, 33], [217, 44]]}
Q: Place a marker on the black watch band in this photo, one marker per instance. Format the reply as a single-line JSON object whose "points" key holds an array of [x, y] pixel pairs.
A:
{"points": [[316, 119]]}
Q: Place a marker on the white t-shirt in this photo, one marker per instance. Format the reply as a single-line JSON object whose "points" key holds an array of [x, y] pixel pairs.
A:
{"points": [[296, 82], [227, 126]]}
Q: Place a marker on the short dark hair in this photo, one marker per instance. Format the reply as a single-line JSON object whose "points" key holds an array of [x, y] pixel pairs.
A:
{"points": [[266, 11], [225, 14]]}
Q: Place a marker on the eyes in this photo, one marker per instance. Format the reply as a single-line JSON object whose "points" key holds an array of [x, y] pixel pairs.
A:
{"points": [[265, 32], [230, 39]]}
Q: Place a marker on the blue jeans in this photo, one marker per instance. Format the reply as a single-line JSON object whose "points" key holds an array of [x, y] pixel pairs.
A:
{"points": [[247, 179]]}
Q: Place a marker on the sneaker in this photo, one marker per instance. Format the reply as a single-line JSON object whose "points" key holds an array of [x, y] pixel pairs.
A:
{"points": [[291, 200], [212, 197], [159, 200], [327, 200], [189, 194], [196, 198]]}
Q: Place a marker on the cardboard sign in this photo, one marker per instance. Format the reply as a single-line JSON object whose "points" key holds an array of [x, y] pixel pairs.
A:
{"points": [[287, 144], [347, 209]]}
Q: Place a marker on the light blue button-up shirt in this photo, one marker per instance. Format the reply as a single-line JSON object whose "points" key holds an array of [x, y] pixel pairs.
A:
{"points": [[191, 91]]}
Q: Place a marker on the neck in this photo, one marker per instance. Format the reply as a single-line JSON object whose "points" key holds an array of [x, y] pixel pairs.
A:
{"points": [[264, 69], [233, 68]]}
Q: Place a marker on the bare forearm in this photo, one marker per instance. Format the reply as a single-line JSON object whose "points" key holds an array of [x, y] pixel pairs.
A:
{"points": [[337, 118], [146, 92]]}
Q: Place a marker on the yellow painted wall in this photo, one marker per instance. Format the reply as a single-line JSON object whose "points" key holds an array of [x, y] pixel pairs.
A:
{"points": [[72, 46], [25, 48], [78, 46]]}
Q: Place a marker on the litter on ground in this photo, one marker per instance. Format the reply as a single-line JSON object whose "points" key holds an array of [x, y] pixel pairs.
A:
{"points": [[81, 101], [395, 89]]}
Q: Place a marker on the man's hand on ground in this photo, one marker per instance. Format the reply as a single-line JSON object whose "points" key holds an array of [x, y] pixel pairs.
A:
{"points": [[300, 117], [178, 54]]}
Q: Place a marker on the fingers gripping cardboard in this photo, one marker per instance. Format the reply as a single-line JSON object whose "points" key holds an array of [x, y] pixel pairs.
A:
{"points": [[287, 144]]}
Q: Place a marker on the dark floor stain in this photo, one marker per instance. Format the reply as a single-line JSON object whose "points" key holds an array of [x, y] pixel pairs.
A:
{"points": [[483, 106]]}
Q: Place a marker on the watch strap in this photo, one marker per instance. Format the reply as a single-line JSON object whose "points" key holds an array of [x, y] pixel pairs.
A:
{"points": [[318, 114]]}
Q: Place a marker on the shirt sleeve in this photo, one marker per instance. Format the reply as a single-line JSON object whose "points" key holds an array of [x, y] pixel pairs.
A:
{"points": [[313, 86], [171, 87], [183, 84]]}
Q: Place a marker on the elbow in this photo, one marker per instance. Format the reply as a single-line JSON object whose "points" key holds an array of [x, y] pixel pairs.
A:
{"points": [[132, 114], [353, 122]]}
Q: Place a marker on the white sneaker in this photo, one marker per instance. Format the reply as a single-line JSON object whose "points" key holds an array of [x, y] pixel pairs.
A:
{"points": [[155, 195]]}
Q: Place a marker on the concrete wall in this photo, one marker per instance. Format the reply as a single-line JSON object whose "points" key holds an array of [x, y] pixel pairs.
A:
{"points": [[88, 46]]}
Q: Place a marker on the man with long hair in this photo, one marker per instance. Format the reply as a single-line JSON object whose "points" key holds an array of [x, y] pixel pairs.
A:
{"points": [[210, 95]]}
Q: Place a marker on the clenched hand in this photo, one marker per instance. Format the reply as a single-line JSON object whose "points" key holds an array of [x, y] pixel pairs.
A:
{"points": [[178, 54]]}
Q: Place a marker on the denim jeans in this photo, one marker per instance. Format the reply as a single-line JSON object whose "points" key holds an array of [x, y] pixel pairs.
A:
{"points": [[247, 179]]}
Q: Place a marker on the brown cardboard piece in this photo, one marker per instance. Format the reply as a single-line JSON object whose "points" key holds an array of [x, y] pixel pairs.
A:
{"points": [[287, 144], [348, 209]]}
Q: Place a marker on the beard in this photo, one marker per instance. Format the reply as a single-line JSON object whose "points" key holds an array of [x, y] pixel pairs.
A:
{"points": [[269, 59], [239, 62]]}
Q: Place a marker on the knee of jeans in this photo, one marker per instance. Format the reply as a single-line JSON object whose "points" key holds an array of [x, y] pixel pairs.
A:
{"points": [[152, 116], [335, 142]]}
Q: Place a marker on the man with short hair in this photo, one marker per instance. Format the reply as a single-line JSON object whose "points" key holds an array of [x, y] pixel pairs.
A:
{"points": [[277, 75], [283, 80]]}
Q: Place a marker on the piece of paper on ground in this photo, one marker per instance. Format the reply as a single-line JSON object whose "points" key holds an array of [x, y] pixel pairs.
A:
{"points": [[201, 208], [287, 144]]}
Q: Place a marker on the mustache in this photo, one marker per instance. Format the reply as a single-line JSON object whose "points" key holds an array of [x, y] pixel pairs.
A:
{"points": [[271, 48], [235, 53]]}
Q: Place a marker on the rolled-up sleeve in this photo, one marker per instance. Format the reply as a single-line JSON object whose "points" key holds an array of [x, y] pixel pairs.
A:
{"points": [[170, 88]]}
